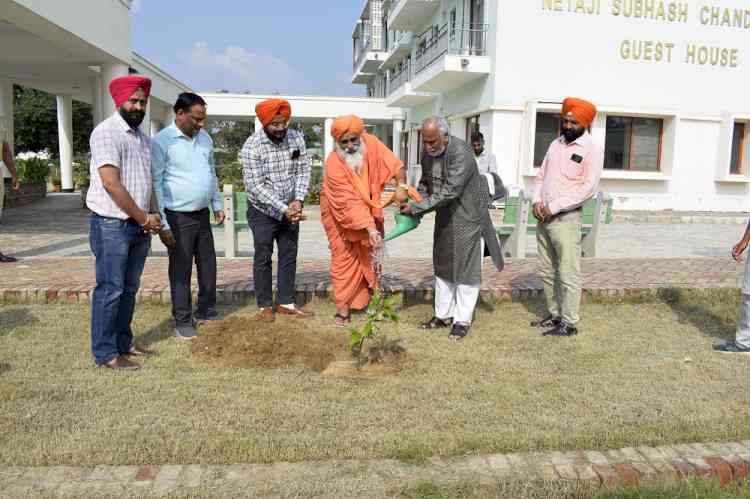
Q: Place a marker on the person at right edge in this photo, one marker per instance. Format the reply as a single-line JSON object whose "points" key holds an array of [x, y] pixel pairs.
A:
{"points": [[568, 177]]}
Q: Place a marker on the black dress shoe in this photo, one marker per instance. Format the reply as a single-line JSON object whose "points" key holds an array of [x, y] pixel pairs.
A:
{"points": [[436, 323], [7, 259], [459, 331], [549, 321], [561, 329]]}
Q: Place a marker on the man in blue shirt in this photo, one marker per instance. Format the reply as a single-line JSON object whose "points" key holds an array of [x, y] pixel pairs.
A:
{"points": [[184, 177]]}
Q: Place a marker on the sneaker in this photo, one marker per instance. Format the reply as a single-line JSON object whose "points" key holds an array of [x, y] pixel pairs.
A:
{"points": [[185, 332], [561, 329], [211, 315], [730, 347], [549, 321]]}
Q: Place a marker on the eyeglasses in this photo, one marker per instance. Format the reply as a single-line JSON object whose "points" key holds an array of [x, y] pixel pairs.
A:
{"points": [[353, 141]]}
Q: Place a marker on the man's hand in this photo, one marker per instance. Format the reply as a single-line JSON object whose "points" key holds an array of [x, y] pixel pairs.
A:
{"points": [[16, 183], [738, 249], [294, 212], [405, 209], [376, 238], [167, 238], [219, 217], [402, 196], [153, 223], [541, 212]]}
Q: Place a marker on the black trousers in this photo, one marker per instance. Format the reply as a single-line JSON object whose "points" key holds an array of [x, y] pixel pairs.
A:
{"points": [[267, 230], [192, 233]]}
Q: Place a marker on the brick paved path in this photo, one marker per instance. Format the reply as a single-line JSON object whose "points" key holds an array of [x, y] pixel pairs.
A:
{"points": [[50, 279], [375, 478]]}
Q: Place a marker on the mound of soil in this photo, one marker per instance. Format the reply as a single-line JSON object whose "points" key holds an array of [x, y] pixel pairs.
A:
{"points": [[244, 342]]}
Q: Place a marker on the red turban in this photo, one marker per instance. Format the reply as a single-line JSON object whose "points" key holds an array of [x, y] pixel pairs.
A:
{"points": [[267, 110], [123, 87], [582, 110], [347, 124]]}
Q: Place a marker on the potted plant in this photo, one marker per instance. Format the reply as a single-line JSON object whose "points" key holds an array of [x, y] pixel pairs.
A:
{"points": [[56, 182], [82, 179]]}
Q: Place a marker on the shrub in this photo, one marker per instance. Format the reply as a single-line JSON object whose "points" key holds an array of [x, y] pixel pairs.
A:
{"points": [[33, 170], [230, 173]]}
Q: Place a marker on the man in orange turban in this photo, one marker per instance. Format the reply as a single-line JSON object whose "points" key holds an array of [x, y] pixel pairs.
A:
{"points": [[569, 176], [276, 172], [355, 174]]}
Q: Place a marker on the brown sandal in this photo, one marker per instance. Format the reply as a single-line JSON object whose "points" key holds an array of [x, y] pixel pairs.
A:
{"points": [[342, 320]]}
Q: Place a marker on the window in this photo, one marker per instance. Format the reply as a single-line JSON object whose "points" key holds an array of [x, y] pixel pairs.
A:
{"points": [[547, 130], [633, 143], [472, 126], [738, 144]]}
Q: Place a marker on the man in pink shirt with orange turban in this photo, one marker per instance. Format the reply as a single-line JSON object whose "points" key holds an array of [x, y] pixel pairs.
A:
{"points": [[568, 177]]}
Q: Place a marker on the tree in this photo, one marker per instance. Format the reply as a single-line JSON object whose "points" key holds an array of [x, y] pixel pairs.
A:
{"points": [[35, 122]]}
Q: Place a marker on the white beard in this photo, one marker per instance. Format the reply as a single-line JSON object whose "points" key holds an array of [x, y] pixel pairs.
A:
{"points": [[353, 160]]}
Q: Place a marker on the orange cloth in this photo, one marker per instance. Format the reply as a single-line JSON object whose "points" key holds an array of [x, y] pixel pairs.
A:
{"points": [[123, 87], [582, 110], [267, 110], [347, 124], [350, 203]]}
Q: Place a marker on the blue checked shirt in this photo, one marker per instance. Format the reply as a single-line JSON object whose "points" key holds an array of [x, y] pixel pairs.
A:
{"points": [[274, 174]]}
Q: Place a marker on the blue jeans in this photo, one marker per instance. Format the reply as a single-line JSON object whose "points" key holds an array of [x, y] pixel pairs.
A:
{"points": [[120, 248]]}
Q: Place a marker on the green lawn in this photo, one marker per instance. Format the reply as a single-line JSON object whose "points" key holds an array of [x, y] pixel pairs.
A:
{"points": [[638, 374]]}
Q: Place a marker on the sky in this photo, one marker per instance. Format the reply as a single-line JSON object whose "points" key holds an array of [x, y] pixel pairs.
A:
{"points": [[297, 47]]}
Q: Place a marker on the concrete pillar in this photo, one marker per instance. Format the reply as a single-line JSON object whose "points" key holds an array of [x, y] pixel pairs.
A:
{"points": [[96, 100], [398, 127], [6, 121], [65, 138], [170, 117], [108, 73], [146, 123], [328, 144], [155, 127]]}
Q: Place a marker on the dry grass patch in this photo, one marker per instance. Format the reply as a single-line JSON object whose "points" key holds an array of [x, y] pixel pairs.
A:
{"points": [[638, 374]]}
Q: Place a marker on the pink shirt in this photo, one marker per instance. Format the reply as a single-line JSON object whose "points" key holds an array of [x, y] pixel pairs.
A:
{"points": [[564, 184]]}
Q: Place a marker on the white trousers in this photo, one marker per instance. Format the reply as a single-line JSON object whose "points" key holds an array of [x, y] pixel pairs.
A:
{"points": [[455, 300]]}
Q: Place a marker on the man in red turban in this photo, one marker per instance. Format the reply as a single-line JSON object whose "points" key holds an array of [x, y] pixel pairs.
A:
{"points": [[276, 171], [122, 221], [350, 210], [568, 177]]}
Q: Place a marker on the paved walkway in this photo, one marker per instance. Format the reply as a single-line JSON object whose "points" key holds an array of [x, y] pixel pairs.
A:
{"points": [[58, 227], [384, 477], [72, 279]]}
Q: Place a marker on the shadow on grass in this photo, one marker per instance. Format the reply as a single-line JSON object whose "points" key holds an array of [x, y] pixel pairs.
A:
{"points": [[11, 318], [713, 312]]}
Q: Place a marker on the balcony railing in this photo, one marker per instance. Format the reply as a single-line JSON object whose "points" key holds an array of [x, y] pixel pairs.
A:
{"points": [[455, 40], [398, 79], [366, 48]]}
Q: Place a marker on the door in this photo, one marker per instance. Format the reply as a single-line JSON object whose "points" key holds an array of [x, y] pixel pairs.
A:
{"points": [[476, 27]]}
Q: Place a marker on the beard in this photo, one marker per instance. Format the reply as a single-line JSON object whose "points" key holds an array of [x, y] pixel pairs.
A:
{"points": [[437, 153], [572, 135], [354, 159], [132, 118]]}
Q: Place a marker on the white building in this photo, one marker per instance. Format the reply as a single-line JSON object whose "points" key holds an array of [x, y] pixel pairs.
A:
{"points": [[669, 79], [73, 49]]}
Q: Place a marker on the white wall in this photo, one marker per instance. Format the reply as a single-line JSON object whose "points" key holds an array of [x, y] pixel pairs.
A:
{"points": [[549, 54]]}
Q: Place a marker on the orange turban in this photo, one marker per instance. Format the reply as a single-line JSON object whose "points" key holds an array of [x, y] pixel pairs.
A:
{"points": [[347, 124], [267, 110], [582, 110], [123, 87]]}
